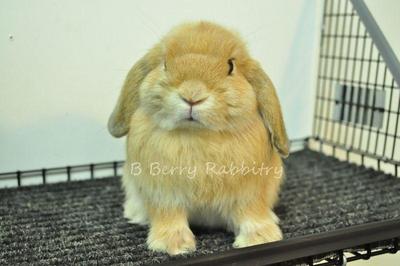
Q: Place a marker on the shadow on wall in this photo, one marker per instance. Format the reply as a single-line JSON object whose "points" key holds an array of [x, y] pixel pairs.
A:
{"points": [[299, 89], [57, 145]]}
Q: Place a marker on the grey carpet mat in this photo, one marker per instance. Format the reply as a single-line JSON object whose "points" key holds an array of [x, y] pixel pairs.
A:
{"points": [[81, 222]]}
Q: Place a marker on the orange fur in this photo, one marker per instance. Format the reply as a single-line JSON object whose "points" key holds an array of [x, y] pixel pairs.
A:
{"points": [[238, 122], [170, 231]]}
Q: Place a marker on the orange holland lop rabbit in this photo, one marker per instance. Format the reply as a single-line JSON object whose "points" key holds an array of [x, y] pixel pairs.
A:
{"points": [[197, 101]]}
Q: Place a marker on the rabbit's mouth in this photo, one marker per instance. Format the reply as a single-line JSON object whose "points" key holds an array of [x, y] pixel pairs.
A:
{"points": [[190, 117], [192, 120]]}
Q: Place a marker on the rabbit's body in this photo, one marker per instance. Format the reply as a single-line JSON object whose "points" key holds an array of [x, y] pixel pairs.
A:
{"points": [[194, 116], [207, 189]]}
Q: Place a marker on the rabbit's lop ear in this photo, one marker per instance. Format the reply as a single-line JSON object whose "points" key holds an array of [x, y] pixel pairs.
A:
{"points": [[269, 107], [128, 101]]}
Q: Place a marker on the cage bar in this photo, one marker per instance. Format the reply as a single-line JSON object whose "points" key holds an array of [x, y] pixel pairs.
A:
{"points": [[358, 96]]}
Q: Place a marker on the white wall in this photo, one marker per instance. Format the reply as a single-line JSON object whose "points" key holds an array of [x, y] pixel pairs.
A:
{"points": [[62, 64], [386, 14]]}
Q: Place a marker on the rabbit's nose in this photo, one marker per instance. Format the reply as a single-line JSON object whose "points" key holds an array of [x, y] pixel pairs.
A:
{"points": [[192, 102]]}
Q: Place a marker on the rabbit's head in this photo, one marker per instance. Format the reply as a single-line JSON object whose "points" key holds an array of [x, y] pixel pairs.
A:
{"points": [[201, 77]]}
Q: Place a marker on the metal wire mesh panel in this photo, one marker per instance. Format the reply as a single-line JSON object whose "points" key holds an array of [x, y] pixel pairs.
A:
{"points": [[357, 98]]}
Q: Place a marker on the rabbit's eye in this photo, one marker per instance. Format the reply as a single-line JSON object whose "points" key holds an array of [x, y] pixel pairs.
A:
{"points": [[231, 65]]}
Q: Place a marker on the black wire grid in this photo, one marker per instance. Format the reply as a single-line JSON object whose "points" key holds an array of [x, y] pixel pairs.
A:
{"points": [[357, 98]]}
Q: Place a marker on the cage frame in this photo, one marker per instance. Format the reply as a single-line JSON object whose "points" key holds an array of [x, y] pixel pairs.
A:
{"points": [[386, 57]]}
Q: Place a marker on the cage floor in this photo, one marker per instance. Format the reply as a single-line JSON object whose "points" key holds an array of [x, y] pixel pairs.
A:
{"points": [[81, 222]]}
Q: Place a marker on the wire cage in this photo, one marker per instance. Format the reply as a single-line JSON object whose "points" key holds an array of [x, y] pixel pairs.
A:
{"points": [[357, 99], [356, 120]]}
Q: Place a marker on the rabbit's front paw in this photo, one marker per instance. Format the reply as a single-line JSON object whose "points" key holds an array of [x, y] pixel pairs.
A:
{"points": [[172, 241], [135, 213], [268, 232]]}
